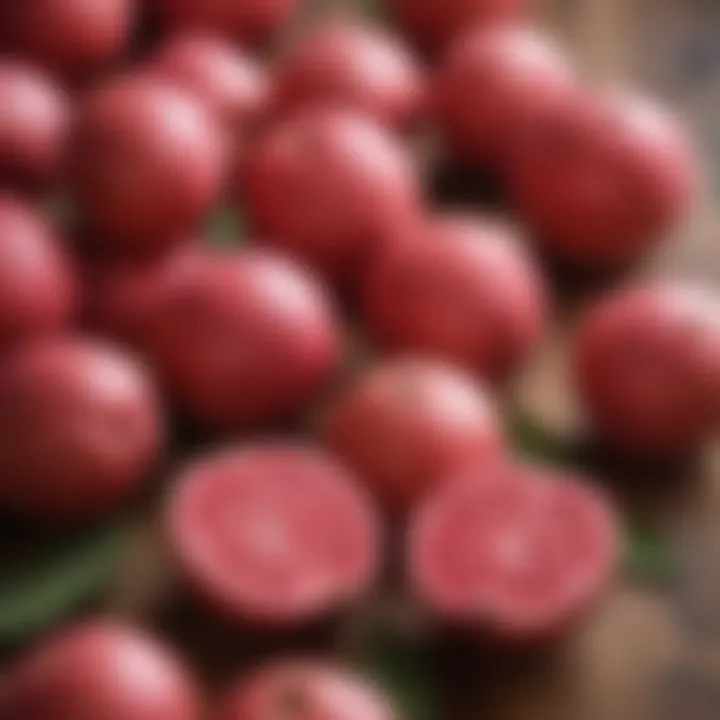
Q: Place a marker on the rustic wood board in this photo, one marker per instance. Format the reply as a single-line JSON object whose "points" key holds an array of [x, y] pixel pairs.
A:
{"points": [[649, 653]]}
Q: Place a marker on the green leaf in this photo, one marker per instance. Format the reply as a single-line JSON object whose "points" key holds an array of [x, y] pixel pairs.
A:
{"points": [[49, 579], [406, 673], [649, 557], [225, 228], [534, 442]]}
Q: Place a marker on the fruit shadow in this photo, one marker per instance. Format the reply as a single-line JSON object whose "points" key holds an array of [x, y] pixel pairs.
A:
{"points": [[498, 682], [658, 492], [224, 651]]}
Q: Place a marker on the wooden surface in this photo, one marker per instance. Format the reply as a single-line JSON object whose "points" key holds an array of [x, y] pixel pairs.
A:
{"points": [[649, 653]]}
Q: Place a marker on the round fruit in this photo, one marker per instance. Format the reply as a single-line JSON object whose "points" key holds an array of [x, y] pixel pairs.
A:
{"points": [[242, 338], [228, 80], [100, 669], [148, 162], [621, 174], [37, 287], [306, 690], [408, 422], [80, 430], [648, 368], [355, 66], [332, 188], [273, 534], [465, 291], [74, 38], [513, 553], [433, 25], [123, 297], [250, 21], [491, 85], [34, 119]]}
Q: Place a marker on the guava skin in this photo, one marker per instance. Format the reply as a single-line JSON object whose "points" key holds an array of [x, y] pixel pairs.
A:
{"points": [[491, 85], [465, 290], [122, 296], [243, 339], [343, 64], [228, 80], [34, 123], [250, 22], [403, 425], [332, 188], [433, 26], [306, 690], [100, 669], [81, 430], [647, 367], [623, 176], [148, 161], [38, 290], [74, 39]]}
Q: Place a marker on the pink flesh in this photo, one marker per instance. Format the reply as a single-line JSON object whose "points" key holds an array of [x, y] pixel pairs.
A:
{"points": [[277, 535], [521, 554]]}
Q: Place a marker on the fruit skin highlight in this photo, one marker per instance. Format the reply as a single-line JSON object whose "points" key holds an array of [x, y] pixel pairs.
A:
{"points": [[344, 64], [228, 80], [310, 691], [241, 339], [433, 26], [100, 669], [37, 281], [647, 366], [602, 179], [464, 290], [491, 85], [250, 22], [148, 161], [330, 187], [80, 430], [517, 555], [404, 424], [34, 123], [274, 535]]}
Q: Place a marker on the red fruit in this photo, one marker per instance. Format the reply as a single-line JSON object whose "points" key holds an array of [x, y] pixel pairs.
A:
{"points": [[601, 179], [99, 670], [122, 297], [80, 430], [148, 163], [273, 534], [355, 66], [407, 423], [515, 554], [491, 85], [71, 37], [332, 188], [306, 691], [250, 21], [243, 339], [465, 291], [432, 25], [34, 116], [37, 287], [648, 368], [227, 79]]}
